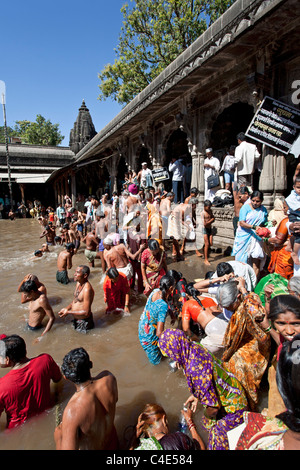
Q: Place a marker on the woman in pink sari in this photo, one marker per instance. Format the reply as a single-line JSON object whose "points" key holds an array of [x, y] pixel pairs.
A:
{"points": [[153, 265]]}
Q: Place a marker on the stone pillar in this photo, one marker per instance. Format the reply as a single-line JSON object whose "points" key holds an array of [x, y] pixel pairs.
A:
{"points": [[280, 182], [73, 189], [195, 181], [266, 181]]}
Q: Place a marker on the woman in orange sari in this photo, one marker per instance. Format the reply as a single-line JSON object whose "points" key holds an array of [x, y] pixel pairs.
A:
{"points": [[281, 261], [246, 345]]}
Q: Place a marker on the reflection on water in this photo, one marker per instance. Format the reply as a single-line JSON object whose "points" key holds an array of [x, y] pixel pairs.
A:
{"points": [[112, 345]]}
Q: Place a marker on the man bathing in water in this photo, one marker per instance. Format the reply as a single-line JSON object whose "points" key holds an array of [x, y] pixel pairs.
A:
{"points": [[64, 262], [88, 419], [80, 307], [39, 306], [49, 234], [32, 277], [91, 251]]}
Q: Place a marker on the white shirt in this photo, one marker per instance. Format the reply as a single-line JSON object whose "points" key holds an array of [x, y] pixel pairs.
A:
{"points": [[244, 270], [228, 164], [178, 170], [215, 163], [245, 155]]}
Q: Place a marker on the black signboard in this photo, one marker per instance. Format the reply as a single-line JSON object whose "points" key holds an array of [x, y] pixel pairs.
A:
{"points": [[275, 124], [160, 174]]}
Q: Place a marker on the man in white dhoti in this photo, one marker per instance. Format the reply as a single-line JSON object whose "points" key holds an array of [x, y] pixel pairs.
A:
{"points": [[211, 167]]}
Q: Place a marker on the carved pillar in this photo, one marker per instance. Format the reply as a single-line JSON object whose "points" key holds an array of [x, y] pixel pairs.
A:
{"points": [[273, 176], [266, 181], [280, 176], [197, 173]]}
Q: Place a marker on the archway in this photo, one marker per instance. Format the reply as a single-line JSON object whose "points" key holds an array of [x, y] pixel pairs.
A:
{"points": [[177, 147], [234, 119], [143, 155]]}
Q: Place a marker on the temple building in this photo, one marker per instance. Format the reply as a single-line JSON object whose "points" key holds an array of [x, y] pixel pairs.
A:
{"points": [[32, 165]]}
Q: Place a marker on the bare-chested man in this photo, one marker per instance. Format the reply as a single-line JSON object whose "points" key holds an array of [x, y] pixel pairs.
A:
{"points": [[49, 234], [81, 306], [32, 277], [118, 256], [88, 419], [91, 251], [39, 306], [64, 262]]}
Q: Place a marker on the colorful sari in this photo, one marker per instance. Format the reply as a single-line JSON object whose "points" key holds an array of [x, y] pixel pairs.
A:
{"points": [[247, 244], [261, 433], [153, 267], [281, 261], [154, 223], [209, 382], [247, 346], [152, 314], [280, 286]]}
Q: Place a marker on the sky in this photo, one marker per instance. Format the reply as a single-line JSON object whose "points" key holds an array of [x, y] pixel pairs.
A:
{"points": [[51, 54]]}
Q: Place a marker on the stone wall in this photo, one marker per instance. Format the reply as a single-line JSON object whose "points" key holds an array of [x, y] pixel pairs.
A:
{"points": [[223, 236]]}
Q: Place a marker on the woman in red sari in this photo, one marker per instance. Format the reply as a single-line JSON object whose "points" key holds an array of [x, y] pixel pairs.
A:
{"points": [[281, 261], [153, 265]]}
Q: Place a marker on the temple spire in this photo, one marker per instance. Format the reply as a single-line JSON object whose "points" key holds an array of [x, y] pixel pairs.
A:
{"points": [[83, 130]]}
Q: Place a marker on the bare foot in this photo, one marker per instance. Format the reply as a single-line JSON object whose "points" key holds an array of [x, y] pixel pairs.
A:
{"points": [[199, 254], [206, 262]]}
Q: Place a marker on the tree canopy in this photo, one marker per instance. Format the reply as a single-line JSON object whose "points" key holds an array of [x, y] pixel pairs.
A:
{"points": [[40, 132], [153, 34]]}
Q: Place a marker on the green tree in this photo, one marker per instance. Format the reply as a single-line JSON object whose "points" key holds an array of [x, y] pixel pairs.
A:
{"points": [[41, 132], [10, 133], [153, 34]]}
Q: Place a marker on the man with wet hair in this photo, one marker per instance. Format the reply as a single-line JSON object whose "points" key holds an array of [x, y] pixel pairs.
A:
{"points": [[39, 306], [81, 305], [88, 419], [64, 262], [25, 390]]}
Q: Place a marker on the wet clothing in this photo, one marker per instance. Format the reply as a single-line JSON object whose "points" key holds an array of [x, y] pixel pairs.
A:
{"points": [[34, 328], [210, 382], [152, 314], [62, 277], [84, 324], [90, 255], [154, 267], [25, 392], [247, 346], [115, 292]]}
